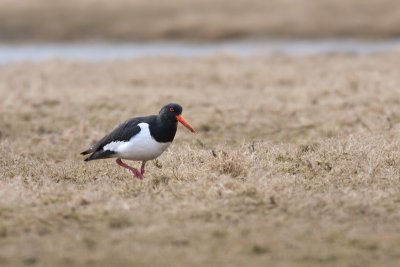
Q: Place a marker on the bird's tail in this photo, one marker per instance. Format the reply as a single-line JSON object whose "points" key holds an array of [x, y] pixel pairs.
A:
{"points": [[89, 158], [101, 154], [88, 151]]}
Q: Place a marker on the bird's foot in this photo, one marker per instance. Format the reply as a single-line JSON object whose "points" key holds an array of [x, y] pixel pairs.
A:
{"points": [[142, 167], [136, 173]]}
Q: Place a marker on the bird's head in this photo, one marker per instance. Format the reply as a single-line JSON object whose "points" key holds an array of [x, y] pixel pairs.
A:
{"points": [[173, 112]]}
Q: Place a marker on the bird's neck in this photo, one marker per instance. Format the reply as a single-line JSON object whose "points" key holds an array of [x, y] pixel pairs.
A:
{"points": [[164, 130]]}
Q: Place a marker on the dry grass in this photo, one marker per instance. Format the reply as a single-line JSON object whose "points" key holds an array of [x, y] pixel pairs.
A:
{"points": [[49, 20], [296, 163]]}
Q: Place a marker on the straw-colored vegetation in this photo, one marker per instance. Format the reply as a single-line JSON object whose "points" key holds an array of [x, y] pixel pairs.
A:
{"points": [[296, 163], [49, 20]]}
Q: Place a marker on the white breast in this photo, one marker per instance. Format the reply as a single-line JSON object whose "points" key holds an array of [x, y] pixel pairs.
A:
{"points": [[142, 146]]}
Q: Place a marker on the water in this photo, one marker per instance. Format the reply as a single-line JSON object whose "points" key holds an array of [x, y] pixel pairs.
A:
{"points": [[111, 51]]}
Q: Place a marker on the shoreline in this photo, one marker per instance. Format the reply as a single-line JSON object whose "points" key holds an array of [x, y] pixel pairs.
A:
{"points": [[98, 52]]}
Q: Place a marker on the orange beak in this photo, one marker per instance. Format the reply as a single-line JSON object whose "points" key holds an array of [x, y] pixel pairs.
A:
{"points": [[184, 122]]}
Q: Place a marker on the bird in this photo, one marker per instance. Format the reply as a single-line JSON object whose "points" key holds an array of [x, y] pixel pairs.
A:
{"points": [[140, 139]]}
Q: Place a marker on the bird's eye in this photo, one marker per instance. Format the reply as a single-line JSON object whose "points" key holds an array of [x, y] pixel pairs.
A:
{"points": [[171, 109]]}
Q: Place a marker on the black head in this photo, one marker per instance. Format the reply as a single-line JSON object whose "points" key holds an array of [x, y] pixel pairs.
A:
{"points": [[173, 112]]}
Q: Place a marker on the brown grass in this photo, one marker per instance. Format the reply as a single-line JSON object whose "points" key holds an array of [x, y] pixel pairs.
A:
{"points": [[296, 163], [124, 20]]}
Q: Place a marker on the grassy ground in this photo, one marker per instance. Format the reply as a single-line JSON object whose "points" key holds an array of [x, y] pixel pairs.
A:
{"points": [[124, 20], [296, 163]]}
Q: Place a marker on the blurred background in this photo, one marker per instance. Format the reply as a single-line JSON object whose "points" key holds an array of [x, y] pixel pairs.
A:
{"points": [[296, 160], [240, 26]]}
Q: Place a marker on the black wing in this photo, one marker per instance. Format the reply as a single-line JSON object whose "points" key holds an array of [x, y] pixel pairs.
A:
{"points": [[123, 132]]}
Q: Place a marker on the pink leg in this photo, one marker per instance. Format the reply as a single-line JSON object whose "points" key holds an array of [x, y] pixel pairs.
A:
{"points": [[134, 171], [142, 168]]}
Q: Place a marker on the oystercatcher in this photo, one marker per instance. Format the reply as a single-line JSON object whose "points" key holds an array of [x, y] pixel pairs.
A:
{"points": [[140, 139]]}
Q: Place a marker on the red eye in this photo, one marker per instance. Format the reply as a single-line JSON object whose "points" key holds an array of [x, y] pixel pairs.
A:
{"points": [[171, 109]]}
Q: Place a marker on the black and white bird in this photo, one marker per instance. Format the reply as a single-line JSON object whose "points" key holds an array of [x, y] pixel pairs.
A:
{"points": [[140, 139]]}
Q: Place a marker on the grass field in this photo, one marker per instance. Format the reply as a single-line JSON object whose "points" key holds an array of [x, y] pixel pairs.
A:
{"points": [[296, 163], [204, 20]]}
